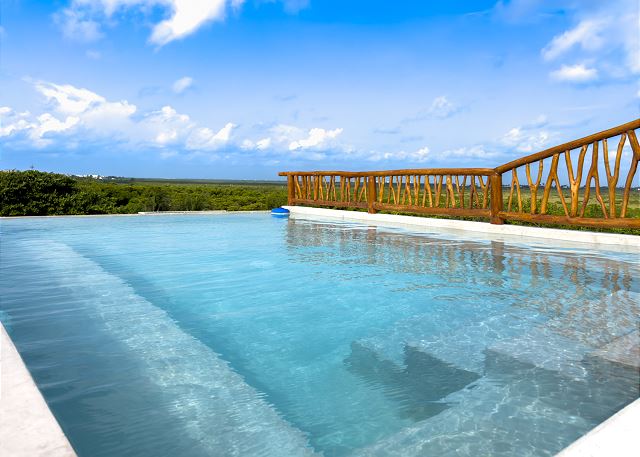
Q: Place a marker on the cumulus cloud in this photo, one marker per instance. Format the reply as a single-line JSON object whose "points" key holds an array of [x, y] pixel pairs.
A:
{"points": [[578, 73], [528, 138], [73, 112], [284, 137], [182, 84], [205, 139], [316, 138]]}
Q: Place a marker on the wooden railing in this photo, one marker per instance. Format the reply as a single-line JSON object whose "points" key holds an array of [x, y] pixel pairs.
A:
{"points": [[478, 192]]}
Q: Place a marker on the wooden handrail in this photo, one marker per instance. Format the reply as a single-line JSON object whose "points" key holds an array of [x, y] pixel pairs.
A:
{"points": [[407, 172], [443, 191], [569, 146]]}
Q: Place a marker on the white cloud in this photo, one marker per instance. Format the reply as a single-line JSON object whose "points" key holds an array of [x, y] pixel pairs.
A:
{"points": [[442, 108], [182, 84], [12, 122], [205, 139], [188, 16], [74, 112], [48, 124], [76, 25], [82, 19], [316, 138], [417, 156], [606, 33], [528, 138], [578, 73], [587, 34], [263, 144], [477, 151]]}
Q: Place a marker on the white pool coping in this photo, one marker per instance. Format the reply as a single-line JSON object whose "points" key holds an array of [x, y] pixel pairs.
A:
{"points": [[617, 436], [479, 228], [27, 426]]}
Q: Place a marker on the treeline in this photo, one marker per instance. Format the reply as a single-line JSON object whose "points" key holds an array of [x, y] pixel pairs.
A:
{"points": [[36, 193]]}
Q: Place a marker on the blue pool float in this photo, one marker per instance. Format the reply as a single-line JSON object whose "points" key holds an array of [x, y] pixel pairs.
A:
{"points": [[280, 212]]}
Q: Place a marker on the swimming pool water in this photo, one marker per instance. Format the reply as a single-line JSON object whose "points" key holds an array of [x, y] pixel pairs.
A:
{"points": [[243, 334]]}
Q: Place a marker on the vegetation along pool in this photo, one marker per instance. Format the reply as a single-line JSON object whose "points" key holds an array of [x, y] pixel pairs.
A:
{"points": [[243, 334]]}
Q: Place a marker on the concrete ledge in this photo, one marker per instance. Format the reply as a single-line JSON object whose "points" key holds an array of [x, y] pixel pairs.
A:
{"points": [[609, 239], [27, 427], [617, 436]]}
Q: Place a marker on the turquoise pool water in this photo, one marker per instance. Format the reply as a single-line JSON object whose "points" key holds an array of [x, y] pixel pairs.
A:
{"points": [[244, 334]]}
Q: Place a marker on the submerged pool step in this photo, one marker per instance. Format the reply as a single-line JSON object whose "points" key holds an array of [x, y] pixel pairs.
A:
{"points": [[486, 419], [213, 404], [515, 409], [458, 342]]}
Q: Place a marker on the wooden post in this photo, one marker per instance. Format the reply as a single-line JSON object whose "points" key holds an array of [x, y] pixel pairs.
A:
{"points": [[371, 194], [291, 190], [496, 198]]}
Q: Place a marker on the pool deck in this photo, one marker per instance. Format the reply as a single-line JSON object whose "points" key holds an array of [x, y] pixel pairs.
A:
{"points": [[27, 426]]}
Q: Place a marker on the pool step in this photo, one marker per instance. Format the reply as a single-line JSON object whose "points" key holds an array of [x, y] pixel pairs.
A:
{"points": [[515, 409], [209, 400], [460, 343], [486, 420], [418, 386]]}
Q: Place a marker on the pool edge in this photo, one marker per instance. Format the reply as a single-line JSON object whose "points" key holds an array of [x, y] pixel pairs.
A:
{"points": [[617, 436], [629, 241], [28, 428]]}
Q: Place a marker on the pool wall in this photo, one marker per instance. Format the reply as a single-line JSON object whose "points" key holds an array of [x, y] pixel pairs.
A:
{"points": [[27, 426]]}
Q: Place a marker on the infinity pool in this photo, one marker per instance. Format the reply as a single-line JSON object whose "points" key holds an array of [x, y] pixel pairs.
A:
{"points": [[247, 335]]}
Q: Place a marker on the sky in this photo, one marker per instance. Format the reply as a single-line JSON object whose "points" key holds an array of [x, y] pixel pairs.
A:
{"points": [[242, 89]]}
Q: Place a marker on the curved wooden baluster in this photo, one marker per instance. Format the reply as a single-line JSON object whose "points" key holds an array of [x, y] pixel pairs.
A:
{"points": [[533, 187], [416, 188], [574, 181], [451, 196], [407, 189], [335, 190], [612, 178], [514, 180], [593, 174], [473, 196], [464, 185], [298, 189], [553, 176], [363, 192], [382, 182], [427, 186], [635, 147], [485, 191]]}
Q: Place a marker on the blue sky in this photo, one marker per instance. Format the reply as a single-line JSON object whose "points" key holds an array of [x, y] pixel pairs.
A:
{"points": [[243, 89]]}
